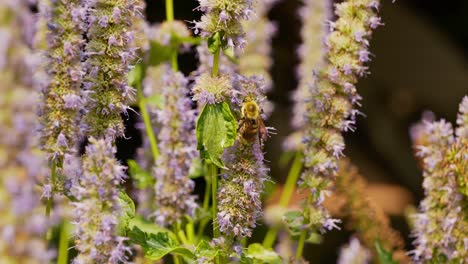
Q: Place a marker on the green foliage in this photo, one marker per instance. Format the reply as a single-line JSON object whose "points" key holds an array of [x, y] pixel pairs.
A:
{"points": [[155, 100], [136, 75], [197, 169], [294, 221], [216, 130], [142, 178], [214, 42], [257, 254], [156, 241], [159, 53], [206, 251], [385, 257], [128, 208]]}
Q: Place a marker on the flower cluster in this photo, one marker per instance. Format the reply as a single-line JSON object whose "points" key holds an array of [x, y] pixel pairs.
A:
{"points": [[108, 58], [243, 180], [240, 188], [210, 89], [22, 223], [364, 217], [311, 52], [62, 99], [354, 253], [98, 208], [332, 98], [255, 58], [224, 17], [177, 143], [165, 32], [441, 227]]}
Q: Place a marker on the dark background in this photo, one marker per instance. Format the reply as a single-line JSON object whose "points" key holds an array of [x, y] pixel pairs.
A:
{"points": [[420, 64]]}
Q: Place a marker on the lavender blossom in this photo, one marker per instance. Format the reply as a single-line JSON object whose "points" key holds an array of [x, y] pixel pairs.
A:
{"points": [[22, 222], [109, 54], [312, 52], [177, 143], [440, 227], [462, 120], [61, 95], [224, 17], [461, 148], [165, 32], [255, 58], [239, 204], [210, 89], [97, 210], [354, 253], [330, 107]]}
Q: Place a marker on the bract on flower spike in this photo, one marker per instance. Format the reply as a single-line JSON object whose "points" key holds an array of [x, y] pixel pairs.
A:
{"points": [[314, 16], [62, 100], [23, 224], [97, 209], [255, 59], [330, 107], [243, 181], [364, 216], [444, 165], [109, 55], [224, 16], [354, 253], [177, 143]]}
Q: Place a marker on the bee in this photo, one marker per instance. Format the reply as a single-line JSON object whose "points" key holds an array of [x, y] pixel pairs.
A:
{"points": [[251, 126]]}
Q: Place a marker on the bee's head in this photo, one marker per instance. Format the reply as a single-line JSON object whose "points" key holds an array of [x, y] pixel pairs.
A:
{"points": [[250, 110]]}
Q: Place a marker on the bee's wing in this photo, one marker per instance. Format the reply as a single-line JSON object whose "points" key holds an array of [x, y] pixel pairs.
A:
{"points": [[262, 130]]}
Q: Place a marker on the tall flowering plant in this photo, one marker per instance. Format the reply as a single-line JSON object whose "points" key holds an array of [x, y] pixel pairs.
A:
{"points": [[90, 64]]}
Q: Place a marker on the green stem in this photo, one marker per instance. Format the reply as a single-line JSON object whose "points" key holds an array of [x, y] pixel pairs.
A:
{"points": [[147, 121], [170, 10], [300, 245], [216, 62], [190, 230], [206, 204], [213, 173], [180, 234], [301, 242], [174, 64], [176, 259], [63, 244], [286, 195], [170, 18], [52, 182]]}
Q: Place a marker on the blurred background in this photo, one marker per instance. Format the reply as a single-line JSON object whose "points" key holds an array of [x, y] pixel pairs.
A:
{"points": [[420, 63]]}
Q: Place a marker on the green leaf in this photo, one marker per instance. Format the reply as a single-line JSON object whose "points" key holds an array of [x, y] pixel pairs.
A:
{"points": [[262, 255], [136, 75], [159, 53], [385, 257], [157, 245], [155, 100], [314, 238], [204, 250], [197, 169], [230, 54], [189, 40], [202, 214], [294, 221], [214, 42], [128, 207], [149, 227], [216, 130], [142, 178]]}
